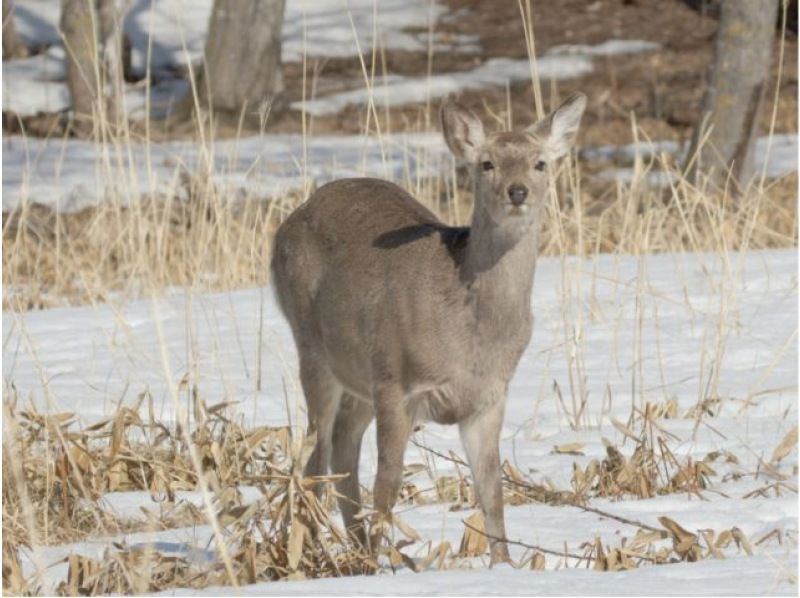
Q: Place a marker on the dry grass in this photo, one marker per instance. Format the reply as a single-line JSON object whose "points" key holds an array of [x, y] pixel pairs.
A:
{"points": [[54, 478], [55, 472], [199, 239], [195, 235], [55, 475]]}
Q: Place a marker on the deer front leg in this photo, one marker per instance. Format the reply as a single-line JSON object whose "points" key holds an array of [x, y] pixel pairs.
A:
{"points": [[481, 437], [393, 430]]}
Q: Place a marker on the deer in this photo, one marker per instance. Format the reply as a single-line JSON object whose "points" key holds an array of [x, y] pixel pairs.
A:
{"points": [[399, 317]]}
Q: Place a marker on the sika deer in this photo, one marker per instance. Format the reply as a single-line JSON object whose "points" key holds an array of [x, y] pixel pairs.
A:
{"points": [[403, 318]]}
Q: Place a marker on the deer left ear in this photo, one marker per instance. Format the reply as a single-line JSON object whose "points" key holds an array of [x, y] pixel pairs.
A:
{"points": [[559, 129]]}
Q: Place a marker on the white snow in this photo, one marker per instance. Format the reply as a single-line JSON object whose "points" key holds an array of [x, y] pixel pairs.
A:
{"points": [[719, 578], [640, 328], [129, 504], [70, 174], [405, 90], [173, 32], [87, 360], [561, 62], [36, 83], [779, 154], [177, 28], [610, 47]]}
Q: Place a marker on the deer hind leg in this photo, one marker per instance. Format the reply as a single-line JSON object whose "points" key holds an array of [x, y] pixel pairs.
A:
{"points": [[323, 393], [481, 437], [352, 420], [394, 426]]}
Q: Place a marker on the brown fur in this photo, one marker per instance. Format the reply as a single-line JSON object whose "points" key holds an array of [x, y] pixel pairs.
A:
{"points": [[400, 317]]}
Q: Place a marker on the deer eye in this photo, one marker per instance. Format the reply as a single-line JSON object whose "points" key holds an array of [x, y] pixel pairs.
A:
{"points": [[487, 165], [540, 165]]}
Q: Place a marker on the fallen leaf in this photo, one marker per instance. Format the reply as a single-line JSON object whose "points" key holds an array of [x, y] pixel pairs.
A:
{"points": [[785, 446], [474, 542], [570, 448]]}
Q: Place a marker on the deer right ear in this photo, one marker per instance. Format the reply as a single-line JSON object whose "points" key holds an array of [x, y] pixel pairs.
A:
{"points": [[463, 131]]}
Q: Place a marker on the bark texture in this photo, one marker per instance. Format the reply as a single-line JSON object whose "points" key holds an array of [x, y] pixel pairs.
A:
{"points": [[735, 92], [81, 40], [242, 69], [13, 47], [92, 31]]}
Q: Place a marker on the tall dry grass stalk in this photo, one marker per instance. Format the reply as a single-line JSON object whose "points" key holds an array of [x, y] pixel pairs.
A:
{"points": [[139, 243], [197, 237], [194, 234]]}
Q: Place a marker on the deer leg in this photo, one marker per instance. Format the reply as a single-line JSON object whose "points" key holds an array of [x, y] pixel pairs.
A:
{"points": [[393, 430], [323, 393], [351, 422], [481, 436]]}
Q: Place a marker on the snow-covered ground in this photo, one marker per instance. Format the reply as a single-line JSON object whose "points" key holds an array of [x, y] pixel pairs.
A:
{"points": [[651, 329], [71, 174], [623, 330], [174, 32], [777, 153], [561, 62], [68, 174]]}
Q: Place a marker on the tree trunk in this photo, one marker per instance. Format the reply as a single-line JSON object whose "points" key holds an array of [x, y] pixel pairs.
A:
{"points": [[242, 69], [13, 47], [93, 41], [81, 44], [711, 8], [112, 56], [733, 97]]}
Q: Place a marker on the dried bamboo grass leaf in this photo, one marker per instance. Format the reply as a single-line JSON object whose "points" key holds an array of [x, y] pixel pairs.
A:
{"points": [[785, 446], [644, 538], [538, 562], [255, 438], [413, 468], [600, 562], [713, 549], [676, 530], [214, 409], [439, 553], [297, 536], [513, 472], [625, 430], [474, 541], [724, 539], [406, 529], [570, 448], [742, 540]]}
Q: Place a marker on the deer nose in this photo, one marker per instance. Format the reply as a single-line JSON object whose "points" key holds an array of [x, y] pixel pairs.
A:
{"points": [[517, 194]]}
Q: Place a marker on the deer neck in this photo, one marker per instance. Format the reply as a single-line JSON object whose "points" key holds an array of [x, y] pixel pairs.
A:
{"points": [[498, 267]]}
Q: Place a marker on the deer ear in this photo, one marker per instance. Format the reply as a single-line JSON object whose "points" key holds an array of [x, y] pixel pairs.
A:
{"points": [[463, 131], [559, 128]]}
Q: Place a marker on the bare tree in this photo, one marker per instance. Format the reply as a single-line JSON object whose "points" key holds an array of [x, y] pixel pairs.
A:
{"points": [[726, 131], [80, 39], [242, 59], [92, 32], [13, 47]]}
